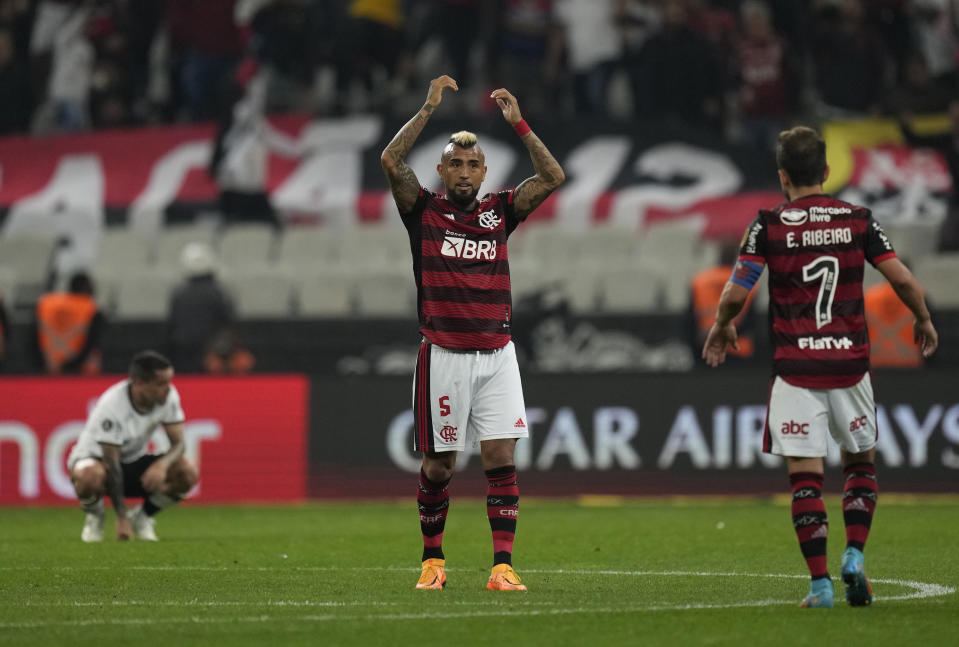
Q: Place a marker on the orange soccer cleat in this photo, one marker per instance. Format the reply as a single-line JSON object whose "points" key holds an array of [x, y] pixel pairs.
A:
{"points": [[433, 575], [504, 578]]}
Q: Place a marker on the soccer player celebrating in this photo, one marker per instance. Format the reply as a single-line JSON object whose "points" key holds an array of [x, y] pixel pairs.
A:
{"points": [[815, 247], [111, 457], [467, 378]]}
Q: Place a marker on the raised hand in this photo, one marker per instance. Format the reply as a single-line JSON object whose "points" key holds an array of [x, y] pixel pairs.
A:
{"points": [[437, 86], [508, 104]]}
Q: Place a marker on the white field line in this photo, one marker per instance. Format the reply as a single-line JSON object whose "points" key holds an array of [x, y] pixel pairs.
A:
{"points": [[920, 590]]}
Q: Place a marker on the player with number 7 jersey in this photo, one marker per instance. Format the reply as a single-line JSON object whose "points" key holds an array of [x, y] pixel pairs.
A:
{"points": [[816, 248]]}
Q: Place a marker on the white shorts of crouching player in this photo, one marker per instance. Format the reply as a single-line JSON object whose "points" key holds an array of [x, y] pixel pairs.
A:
{"points": [[475, 395], [799, 419]]}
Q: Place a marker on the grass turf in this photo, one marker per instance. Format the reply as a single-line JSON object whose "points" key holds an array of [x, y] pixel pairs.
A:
{"points": [[678, 572]]}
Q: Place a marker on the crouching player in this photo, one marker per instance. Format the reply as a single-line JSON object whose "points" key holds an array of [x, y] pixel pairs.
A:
{"points": [[110, 456]]}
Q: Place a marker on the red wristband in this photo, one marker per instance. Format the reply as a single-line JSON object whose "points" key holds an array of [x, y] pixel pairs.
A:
{"points": [[522, 128]]}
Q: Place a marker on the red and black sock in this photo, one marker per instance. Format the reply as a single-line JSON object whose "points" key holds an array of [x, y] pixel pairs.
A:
{"points": [[809, 520], [433, 500], [859, 497], [502, 508]]}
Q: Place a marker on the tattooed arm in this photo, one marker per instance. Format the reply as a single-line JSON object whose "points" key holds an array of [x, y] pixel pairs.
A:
{"points": [[549, 174], [111, 458], [403, 182]]}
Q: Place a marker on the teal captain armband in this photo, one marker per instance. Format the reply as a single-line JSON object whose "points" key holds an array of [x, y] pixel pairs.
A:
{"points": [[746, 273]]}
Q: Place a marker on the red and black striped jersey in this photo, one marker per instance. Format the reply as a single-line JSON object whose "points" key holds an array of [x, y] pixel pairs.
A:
{"points": [[815, 248], [461, 266]]}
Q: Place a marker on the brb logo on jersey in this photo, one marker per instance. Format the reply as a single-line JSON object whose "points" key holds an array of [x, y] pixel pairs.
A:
{"points": [[481, 250], [489, 219]]}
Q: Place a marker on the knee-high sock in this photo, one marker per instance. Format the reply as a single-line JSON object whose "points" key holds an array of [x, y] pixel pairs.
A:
{"points": [[158, 501], [433, 501], [809, 520], [860, 493], [502, 508], [92, 504]]}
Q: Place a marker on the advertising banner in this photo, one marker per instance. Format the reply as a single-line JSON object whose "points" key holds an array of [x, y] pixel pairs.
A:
{"points": [[631, 434], [246, 434]]}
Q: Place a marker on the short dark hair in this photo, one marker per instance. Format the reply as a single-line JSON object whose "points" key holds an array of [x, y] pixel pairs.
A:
{"points": [[145, 365], [81, 283], [801, 152]]}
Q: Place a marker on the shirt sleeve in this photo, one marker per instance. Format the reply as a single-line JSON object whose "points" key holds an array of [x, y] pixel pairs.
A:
{"points": [[105, 426], [878, 245], [754, 244], [509, 211], [174, 410], [411, 218]]}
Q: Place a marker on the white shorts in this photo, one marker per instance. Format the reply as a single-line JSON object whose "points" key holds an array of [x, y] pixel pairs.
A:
{"points": [[799, 419], [466, 393]]}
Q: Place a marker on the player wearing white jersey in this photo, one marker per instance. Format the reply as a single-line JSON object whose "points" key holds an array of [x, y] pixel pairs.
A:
{"points": [[110, 456]]}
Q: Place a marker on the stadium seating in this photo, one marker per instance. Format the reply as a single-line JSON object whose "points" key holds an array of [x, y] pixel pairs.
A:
{"points": [[172, 239], [261, 293], [938, 276], [144, 295], [246, 246], [324, 295], [386, 294], [29, 257]]}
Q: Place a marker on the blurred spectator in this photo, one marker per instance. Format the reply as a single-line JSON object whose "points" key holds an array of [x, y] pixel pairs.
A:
{"points": [[849, 59], [890, 325], [763, 79], [199, 310], [459, 43], [226, 355], [369, 48], [122, 36], [60, 34], [69, 329], [716, 24], [683, 76], [526, 55], [638, 20], [705, 288], [919, 93], [241, 150], [15, 109], [936, 26], [592, 49], [206, 46], [947, 144]]}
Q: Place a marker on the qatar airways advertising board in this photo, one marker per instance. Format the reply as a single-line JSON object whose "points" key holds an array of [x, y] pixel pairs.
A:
{"points": [[633, 434], [247, 435]]}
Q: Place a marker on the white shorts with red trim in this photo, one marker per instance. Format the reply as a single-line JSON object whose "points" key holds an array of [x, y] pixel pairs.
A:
{"points": [[799, 419], [460, 395]]}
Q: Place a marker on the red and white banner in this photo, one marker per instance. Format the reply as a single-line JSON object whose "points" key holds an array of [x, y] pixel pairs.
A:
{"points": [[627, 177], [248, 435]]}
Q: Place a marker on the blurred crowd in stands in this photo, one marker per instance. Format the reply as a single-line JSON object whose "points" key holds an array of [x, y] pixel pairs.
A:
{"points": [[743, 68]]}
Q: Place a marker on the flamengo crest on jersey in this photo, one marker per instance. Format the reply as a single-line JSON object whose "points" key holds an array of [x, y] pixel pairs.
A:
{"points": [[815, 248], [461, 266]]}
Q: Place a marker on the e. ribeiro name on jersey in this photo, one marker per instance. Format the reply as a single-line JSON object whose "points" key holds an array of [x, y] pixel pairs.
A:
{"points": [[461, 268], [815, 248]]}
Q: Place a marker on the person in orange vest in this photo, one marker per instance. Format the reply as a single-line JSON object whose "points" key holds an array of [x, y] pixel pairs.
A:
{"points": [[705, 288], [890, 325], [69, 326]]}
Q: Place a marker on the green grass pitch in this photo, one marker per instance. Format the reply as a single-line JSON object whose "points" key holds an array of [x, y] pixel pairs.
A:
{"points": [[603, 572]]}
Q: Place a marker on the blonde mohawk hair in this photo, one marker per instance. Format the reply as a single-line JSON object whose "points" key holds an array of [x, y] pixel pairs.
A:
{"points": [[463, 139]]}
